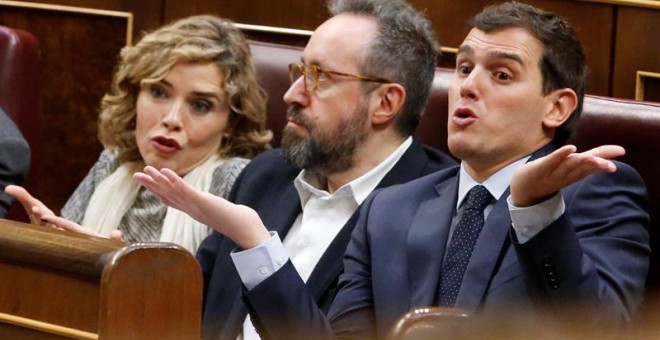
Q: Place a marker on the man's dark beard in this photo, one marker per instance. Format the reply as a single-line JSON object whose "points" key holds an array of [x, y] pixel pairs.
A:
{"points": [[324, 152]]}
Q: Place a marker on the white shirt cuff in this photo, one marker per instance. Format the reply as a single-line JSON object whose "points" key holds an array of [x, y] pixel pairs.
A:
{"points": [[257, 264], [529, 221]]}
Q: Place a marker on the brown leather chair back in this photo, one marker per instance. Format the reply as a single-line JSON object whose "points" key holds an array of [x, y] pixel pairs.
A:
{"points": [[20, 69], [272, 62], [432, 129], [636, 127], [20, 75]]}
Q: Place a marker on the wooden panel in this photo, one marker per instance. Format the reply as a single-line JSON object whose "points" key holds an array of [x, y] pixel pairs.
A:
{"points": [[57, 292], [79, 52], [147, 13], [651, 90], [158, 289], [297, 14], [638, 49], [592, 22], [59, 282], [10, 331], [647, 86]]}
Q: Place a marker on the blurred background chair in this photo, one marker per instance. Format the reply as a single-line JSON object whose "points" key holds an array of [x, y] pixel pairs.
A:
{"points": [[271, 61], [20, 75], [431, 323]]}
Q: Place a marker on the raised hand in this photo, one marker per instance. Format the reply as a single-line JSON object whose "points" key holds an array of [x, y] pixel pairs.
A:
{"points": [[34, 208], [64, 224], [238, 222], [542, 178], [40, 214]]}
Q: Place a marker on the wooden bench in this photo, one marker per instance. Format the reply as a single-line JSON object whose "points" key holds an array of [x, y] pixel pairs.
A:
{"points": [[60, 285]]}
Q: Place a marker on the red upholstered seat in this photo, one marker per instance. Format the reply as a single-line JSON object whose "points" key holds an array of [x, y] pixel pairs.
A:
{"points": [[20, 74], [20, 68], [272, 62]]}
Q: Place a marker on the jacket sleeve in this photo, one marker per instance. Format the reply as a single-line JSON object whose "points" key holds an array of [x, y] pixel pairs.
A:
{"points": [[14, 162], [598, 250]]}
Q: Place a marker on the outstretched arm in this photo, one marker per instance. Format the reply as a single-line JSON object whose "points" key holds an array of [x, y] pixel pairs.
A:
{"points": [[35, 209], [570, 259], [238, 222], [41, 215], [542, 178]]}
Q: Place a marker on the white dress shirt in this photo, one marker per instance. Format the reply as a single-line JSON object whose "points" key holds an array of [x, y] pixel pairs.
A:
{"points": [[323, 216], [527, 221]]}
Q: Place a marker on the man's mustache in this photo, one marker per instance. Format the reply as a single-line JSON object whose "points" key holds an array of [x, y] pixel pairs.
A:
{"points": [[294, 113]]}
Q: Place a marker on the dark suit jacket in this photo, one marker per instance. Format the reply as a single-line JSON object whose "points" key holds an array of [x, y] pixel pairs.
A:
{"points": [[14, 159], [266, 185], [597, 252]]}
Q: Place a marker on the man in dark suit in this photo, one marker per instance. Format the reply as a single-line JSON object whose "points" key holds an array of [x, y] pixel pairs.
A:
{"points": [[14, 159], [354, 103], [553, 229]]}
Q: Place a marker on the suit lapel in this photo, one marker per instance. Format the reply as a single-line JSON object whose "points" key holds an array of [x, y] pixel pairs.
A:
{"points": [[283, 213], [488, 251], [331, 264], [493, 238], [431, 222], [413, 164]]}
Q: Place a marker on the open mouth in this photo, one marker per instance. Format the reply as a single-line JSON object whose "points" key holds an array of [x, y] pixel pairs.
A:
{"points": [[463, 117], [166, 144], [464, 113]]}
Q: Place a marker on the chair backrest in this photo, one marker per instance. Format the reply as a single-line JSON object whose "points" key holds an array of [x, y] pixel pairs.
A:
{"points": [[636, 127], [272, 62], [631, 124], [431, 323], [20, 70], [20, 85]]}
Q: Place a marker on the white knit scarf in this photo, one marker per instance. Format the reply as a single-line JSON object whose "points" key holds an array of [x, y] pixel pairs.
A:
{"points": [[117, 193]]}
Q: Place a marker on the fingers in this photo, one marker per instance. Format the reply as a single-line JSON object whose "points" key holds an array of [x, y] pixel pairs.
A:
{"points": [[33, 207], [568, 162], [166, 184], [39, 212], [117, 235], [595, 160], [64, 224], [21, 195], [554, 159], [607, 151], [171, 176], [153, 179], [543, 177]]}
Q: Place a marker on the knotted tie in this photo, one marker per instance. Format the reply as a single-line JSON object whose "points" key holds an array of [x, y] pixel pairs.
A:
{"points": [[462, 243]]}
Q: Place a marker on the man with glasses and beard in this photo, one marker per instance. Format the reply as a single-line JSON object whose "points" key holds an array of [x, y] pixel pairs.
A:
{"points": [[348, 132]]}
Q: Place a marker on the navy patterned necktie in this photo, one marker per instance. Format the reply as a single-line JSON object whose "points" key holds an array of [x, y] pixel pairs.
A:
{"points": [[462, 243]]}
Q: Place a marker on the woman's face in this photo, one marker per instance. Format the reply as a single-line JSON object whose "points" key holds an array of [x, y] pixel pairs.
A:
{"points": [[182, 118]]}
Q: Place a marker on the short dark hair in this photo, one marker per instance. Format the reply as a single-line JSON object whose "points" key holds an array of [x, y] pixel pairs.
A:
{"points": [[563, 63], [404, 50]]}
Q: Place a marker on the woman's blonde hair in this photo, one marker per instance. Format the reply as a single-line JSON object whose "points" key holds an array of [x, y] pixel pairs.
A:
{"points": [[196, 39]]}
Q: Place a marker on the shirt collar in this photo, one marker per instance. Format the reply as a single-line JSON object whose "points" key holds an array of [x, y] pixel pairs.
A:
{"points": [[496, 184], [308, 183]]}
